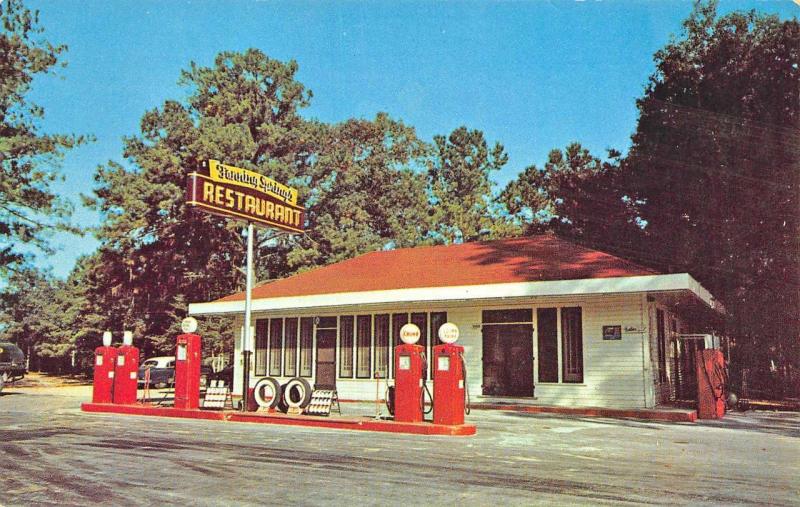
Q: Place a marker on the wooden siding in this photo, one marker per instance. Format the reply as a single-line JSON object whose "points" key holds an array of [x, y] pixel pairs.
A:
{"points": [[614, 370]]}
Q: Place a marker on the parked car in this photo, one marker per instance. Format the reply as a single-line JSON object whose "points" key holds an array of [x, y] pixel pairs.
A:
{"points": [[12, 364], [162, 372]]}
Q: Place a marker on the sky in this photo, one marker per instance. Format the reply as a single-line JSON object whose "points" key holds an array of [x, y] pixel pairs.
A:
{"points": [[533, 75]]}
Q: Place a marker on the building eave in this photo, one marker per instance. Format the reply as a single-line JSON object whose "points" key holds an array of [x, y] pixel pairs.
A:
{"points": [[500, 291]]}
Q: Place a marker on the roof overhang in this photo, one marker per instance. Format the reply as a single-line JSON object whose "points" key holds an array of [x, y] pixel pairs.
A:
{"points": [[500, 291]]}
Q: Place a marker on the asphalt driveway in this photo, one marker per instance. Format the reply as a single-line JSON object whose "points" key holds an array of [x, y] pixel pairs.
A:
{"points": [[54, 454]]}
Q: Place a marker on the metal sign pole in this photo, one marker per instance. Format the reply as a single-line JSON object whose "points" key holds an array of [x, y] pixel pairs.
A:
{"points": [[248, 300]]}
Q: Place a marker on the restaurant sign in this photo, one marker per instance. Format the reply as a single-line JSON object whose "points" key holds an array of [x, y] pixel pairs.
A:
{"points": [[239, 193]]}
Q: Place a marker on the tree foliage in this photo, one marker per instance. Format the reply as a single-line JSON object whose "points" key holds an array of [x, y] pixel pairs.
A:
{"points": [[460, 187], [715, 170], [576, 195], [157, 255], [29, 209]]}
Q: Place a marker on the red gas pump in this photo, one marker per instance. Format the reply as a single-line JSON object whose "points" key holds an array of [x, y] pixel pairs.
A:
{"points": [[188, 354], [712, 379], [105, 359], [126, 371], [409, 367], [449, 378]]}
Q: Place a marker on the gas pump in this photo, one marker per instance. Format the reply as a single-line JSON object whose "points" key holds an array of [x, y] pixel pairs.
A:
{"points": [[712, 380], [410, 372], [126, 371], [105, 358], [450, 398], [188, 355]]}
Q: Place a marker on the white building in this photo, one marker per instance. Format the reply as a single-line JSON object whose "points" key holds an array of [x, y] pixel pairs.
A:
{"points": [[543, 321]]}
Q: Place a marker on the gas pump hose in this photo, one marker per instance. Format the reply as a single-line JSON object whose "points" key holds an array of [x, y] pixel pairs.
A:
{"points": [[425, 387], [466, 386]]}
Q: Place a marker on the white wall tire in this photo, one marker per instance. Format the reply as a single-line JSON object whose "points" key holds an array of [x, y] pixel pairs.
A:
{"points": [[297, 393], [267, 392]]}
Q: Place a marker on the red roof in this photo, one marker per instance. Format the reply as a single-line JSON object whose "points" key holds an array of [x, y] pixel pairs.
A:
{"points": [[526, 259]]}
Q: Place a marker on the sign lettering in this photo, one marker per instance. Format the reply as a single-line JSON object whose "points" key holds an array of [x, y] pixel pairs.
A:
{"points": [[241, 200]]}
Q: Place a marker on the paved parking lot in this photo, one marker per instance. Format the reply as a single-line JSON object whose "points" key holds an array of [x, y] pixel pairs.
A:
{"points": [[53, 454]]}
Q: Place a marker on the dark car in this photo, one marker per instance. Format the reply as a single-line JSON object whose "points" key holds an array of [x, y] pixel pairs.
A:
{"points": [[162, 372], [12, 364]]}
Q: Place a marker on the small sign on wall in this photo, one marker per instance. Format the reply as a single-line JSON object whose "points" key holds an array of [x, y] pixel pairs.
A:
{"points": [[612, 332]]}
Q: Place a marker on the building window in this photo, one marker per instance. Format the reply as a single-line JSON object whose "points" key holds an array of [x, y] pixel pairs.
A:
{"points": [[382, 345], [398, 320], [275, 346], [437, 319], [346, 329], [513, 316], [572, 345], [262, 325], [364, 345], [306, 345], [290, 348], [662, 346], [547, 341], [421, 320]]}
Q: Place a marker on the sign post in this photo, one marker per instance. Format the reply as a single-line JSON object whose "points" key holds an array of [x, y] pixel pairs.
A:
{"points": [[248, 309], [237, 193]]}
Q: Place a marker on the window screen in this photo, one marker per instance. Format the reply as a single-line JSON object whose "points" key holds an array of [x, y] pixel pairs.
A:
{"points": [[290, 348], [306, 345], [382, 345], [275, 346], [398, 321], [572, 344], [364, 342], [262, 326], [346, 329], [548, 344]]}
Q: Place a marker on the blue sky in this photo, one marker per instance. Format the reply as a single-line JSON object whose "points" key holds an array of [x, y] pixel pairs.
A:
{"points": [[534, 75]]}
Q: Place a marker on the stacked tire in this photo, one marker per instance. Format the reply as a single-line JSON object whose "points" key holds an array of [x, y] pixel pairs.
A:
{"points": [[269, 394]]}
